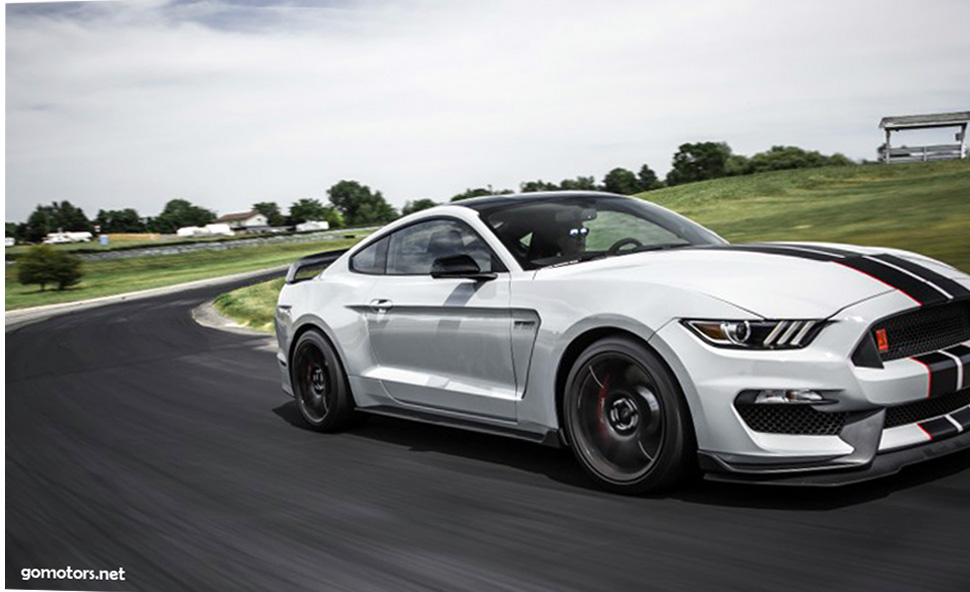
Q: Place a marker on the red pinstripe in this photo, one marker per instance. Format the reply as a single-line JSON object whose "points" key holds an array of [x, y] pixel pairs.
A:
{"points": [[880, 281], [929, 377], [925, 432]]}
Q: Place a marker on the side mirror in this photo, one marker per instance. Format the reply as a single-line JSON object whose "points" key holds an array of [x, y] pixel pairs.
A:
{"points": [[459, 266]]}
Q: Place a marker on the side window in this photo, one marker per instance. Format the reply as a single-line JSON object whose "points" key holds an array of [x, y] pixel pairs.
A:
{"points": [[371, 259], [413, 250]]}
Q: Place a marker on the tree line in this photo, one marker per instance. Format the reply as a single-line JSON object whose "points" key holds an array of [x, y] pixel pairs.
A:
{"points": [[351, 203], [699, 161]]}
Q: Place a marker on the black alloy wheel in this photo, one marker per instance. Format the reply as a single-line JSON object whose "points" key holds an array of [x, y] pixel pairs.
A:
{"points": [[320, 384], [625, 418]]}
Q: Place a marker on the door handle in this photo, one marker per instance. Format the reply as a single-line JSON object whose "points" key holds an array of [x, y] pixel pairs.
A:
{"points": [[380, 305]]}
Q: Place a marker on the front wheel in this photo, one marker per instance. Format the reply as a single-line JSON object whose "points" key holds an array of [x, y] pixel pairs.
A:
{"points": [[625, 418], [320, 384]]}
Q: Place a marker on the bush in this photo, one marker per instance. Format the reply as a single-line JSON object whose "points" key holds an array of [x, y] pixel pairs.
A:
{"points": [[45, 265], [780, 158]]}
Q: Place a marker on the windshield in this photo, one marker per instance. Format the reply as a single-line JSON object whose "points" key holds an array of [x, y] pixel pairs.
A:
{"points": [[549, 231]]}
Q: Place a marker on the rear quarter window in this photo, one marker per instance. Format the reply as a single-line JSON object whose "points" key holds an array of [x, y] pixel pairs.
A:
{"points": [[372, 259]]}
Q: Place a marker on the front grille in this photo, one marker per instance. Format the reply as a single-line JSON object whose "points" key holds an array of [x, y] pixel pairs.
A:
{"points": [[924, 330], [898, 415], [800, 420]]}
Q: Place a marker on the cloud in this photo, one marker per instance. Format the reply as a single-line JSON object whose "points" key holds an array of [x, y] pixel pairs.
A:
{"points": [[123, 104]]}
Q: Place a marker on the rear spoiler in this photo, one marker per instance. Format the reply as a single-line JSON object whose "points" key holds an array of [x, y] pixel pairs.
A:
{"points": [[318, 262]]}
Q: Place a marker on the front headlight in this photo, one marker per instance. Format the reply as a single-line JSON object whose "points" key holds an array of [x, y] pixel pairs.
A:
{"points": [[791, 334]]}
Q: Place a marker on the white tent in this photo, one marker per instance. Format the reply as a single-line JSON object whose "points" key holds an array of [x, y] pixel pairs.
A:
{"points": [[189, 231], [58, 238], [313, 225], [213, 229]]}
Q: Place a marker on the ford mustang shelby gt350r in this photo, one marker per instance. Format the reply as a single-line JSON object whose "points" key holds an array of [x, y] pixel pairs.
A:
{"points": [[639, 339]]}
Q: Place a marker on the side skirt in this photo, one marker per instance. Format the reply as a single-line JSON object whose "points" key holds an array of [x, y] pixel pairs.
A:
{"points": [[549, 438]]}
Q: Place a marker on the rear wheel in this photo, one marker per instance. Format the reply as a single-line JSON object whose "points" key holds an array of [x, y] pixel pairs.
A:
{"points": [[320, 384], [625, 418]]}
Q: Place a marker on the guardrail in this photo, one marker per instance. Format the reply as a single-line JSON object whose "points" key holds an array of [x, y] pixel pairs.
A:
{"points": [[924, 153], [257, 241]]}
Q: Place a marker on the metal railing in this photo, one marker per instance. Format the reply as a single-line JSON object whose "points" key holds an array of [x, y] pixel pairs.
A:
{"points": [[922, 153]]}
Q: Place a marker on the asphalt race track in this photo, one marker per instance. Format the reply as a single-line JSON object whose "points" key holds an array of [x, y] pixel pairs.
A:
{"points": [[138, 439]]}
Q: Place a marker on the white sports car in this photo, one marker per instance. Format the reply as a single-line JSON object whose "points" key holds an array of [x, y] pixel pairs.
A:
{"points": [[639, 339]]}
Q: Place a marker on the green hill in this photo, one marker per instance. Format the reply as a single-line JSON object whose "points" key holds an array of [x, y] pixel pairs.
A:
{"points": [[923, 207]]}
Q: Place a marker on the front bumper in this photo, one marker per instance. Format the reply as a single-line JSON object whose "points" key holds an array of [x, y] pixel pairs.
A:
{"points": [[863, 448], [881, 465]]}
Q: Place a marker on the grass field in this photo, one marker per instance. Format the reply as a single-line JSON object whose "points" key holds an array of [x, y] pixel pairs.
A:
{"points": [[924, 207], [104, 278], [252, 306]]}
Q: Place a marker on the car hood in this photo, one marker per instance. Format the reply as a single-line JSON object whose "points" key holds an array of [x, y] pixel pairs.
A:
{"points": [[768, 285]]}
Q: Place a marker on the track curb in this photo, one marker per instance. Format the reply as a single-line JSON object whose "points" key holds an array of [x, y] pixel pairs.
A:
{"points": [[207, 315]]}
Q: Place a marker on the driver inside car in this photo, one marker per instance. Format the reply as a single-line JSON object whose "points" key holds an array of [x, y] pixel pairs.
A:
{"points": [[561, 236]]}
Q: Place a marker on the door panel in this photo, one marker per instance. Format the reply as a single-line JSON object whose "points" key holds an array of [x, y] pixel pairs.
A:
{"points": [[445, 343]]}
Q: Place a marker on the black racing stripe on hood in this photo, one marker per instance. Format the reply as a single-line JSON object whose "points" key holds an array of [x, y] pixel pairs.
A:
{"points": [[914, 287], [829, 250], [948, 285]]}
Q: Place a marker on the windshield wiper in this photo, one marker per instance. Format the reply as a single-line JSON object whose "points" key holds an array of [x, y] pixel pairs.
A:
{"points": [[664, 247]]}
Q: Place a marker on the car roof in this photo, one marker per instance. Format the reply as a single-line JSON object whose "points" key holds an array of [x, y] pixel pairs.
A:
{"points": [[492, 203]]}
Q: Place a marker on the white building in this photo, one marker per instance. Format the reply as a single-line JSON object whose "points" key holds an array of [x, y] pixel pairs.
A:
{"points": [[249, 221], [217, 229]]}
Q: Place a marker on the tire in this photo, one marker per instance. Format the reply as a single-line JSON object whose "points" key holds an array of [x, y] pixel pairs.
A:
{"points": [[626, 419], [320, 384]]}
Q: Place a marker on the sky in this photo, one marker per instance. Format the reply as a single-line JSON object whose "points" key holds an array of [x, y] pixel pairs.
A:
{"points": [[130, 104]]}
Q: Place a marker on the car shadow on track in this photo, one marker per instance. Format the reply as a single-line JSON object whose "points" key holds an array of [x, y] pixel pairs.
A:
{"points": [[557, 464], [560, 466]]}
